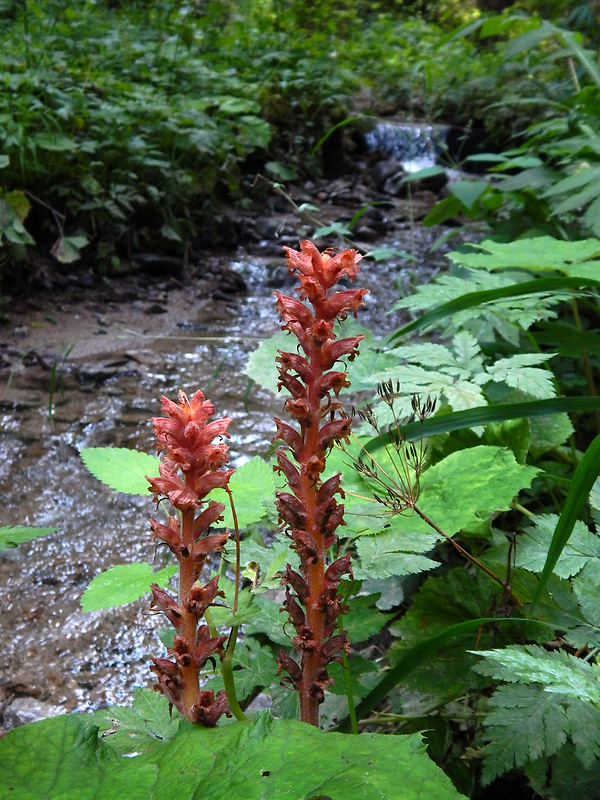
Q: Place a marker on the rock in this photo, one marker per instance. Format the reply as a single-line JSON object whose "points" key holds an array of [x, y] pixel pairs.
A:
{"points": [[364, 233], [154, 264], [23, 710], [383, 170]]}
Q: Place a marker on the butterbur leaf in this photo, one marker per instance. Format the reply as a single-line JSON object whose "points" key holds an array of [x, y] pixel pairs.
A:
{"points": [[63, 757], [137, 729], [120, 468], [11, 537], [123, 584], [265, 759]]}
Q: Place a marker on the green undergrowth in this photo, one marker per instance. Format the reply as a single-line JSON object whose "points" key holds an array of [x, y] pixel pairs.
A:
{"points": [[128, 127]]}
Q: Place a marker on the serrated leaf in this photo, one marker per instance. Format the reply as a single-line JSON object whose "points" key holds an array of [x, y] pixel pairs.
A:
{"points": [[120, 468], [582, 548], [526, 724], [137, 729], [252, 486], [362, 619], [123, 584], [389, 554], [576, 259], [557, 671], [12, 536], [268, 621], [471, 484], [517, 371], [62, 757], [254, 666], [268, 759], [261, 366]]}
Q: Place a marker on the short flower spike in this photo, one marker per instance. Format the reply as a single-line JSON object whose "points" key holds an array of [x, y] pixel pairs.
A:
{"points": [[191, 467]]}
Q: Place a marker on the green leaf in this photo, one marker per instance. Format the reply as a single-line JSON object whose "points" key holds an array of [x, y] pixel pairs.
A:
{"points": [[363, 619], [255, 131], [518, 371], [62, 758], [265, 759], [120, 468], [4, 161], [575, 259], [133, 730], [557, 671], [252, 486], [261, 366], [479, 298], [471, 484], [123, 584], [525, 724], [270, 759], [254, 667], [68, 248], [586, 473], [269, 621], [55, 142], [569, 681], [582, 548], [393, 553], [469, 192], [335, 229], [11, 537]]}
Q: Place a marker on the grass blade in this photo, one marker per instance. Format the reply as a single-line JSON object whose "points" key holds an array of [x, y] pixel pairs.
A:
{"points": [[472, 299], [581, 485], [416, 656], [483, 415]]}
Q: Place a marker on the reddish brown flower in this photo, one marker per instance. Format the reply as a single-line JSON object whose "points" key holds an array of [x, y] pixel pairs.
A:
{"points": [[310, 511], [191, 467]]}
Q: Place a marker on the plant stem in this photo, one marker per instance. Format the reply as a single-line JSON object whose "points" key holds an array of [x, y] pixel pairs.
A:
{"points": [[189, 623], [228, 680], [348, 682]]}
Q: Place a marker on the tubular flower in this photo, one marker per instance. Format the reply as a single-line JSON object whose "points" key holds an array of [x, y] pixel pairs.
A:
{"points": [[191, 467], [310, 511]]}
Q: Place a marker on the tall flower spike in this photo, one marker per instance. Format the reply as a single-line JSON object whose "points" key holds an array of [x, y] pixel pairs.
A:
{"points": [[191, 466], [310, 512]]}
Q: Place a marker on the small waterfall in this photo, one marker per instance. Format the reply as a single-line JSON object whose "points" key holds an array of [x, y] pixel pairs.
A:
{"points": [[415, 145]]}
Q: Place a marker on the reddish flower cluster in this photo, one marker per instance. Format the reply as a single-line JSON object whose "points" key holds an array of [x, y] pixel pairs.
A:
{"points": [[190, 469], [310, 511]]}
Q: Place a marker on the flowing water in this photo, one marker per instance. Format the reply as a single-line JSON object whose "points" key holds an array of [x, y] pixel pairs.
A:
{"points": [[121, 358]]}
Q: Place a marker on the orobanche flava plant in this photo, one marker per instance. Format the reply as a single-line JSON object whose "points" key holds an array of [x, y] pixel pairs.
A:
{"points": [[192, 465]]}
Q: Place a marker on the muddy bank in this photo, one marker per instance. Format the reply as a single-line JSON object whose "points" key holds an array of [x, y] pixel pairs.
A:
{"points": [[100, 358]]}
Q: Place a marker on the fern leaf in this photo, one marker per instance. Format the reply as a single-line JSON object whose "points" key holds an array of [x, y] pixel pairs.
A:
{"points": [[526, 724], [518, 371]]}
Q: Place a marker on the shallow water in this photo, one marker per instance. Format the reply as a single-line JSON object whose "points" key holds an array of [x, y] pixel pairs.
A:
{"points": [[54, 657]]}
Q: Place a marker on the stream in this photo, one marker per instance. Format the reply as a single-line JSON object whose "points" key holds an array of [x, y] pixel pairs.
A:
{"points": [[115, 352]]}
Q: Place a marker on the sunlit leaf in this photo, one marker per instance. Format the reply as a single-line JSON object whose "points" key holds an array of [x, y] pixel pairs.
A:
{"points": [[123, 584], [120, 468]]}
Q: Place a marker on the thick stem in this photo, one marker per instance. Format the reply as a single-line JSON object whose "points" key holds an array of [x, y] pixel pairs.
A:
{"points": [[189, 623], [311, 662]]}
